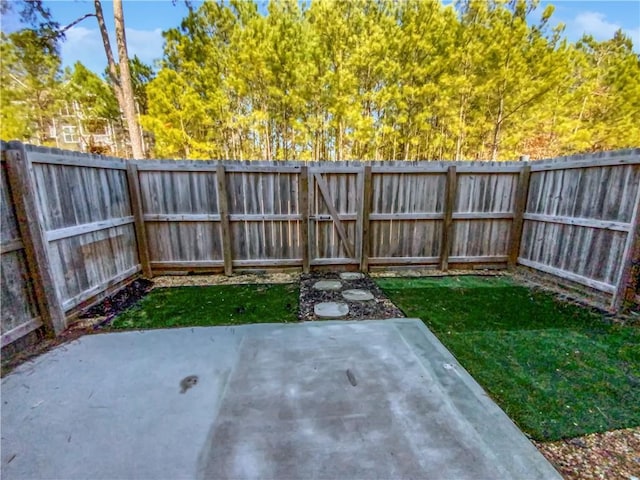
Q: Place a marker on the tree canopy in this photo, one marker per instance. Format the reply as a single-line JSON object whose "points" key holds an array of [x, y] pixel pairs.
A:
{"points": [[380, 80]]}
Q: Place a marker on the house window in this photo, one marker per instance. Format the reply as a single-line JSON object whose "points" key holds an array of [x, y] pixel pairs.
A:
{"points": [[69, 134]]}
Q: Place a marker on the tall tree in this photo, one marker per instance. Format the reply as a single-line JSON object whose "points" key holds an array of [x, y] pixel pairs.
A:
{"points": [[128, 102], [382, 79], [49, 33], [29, 86]]}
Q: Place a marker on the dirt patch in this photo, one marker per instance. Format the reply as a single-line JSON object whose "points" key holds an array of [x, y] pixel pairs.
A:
{"points": [[611, 455], [103, 312], [236, 279], [378, 308], [430, 272]]}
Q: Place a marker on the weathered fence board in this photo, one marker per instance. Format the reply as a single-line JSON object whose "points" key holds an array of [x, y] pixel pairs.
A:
{"points": [[98, 221], [578, 220], [166, 199], [335, 200], [264, 215], [493, 195], [20, 313], [85, 211], [406, 217], [31, 273]]}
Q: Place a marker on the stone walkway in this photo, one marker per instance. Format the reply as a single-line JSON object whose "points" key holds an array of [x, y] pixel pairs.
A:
{"points": [[347, 295]]}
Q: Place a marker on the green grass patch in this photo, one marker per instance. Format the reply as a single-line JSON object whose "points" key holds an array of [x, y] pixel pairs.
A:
{"points": [[212, 305], [557, 369]]}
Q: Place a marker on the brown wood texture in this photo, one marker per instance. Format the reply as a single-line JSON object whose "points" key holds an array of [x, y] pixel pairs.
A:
{"points": [[628, 284], [520, 206], [20, 312], [133, 183], [303, 205], [367, 200], [227, 254], [87, 222], [100, 220], [578, 221], [37, 265], [449, 206]]}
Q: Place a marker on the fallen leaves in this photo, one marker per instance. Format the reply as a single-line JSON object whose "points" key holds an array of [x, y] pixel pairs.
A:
{"points": [[611, 455]]}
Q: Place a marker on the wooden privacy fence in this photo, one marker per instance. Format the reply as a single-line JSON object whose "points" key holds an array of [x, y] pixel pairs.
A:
{"points": [[75, 239], [201, 215], [93, 223]]}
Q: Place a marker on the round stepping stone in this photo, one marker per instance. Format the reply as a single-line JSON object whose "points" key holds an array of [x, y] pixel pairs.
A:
{"points": [[331, 310], [328, 285], [351, 275], [357, 295]]}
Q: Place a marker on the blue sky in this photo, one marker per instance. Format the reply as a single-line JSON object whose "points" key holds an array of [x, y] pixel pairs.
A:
{"points": [[146, 19]]}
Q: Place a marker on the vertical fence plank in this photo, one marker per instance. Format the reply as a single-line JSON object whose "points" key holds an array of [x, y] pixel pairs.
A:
{"points": [[522, 193], [447, 227], [223, 208], [631, 256], [19, 172], [138, 214], [367, 199], [303, 205]]}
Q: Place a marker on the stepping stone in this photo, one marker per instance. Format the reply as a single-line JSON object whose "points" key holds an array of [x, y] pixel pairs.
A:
{"points": [[331, 310], [328, 285], [357, 295], [351, 275]]}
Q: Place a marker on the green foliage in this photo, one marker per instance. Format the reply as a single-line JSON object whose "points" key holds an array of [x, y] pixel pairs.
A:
{"points": [[557, 369], [212, 305], [379, 79], [85, 87], [351, 79], [29, 80]]}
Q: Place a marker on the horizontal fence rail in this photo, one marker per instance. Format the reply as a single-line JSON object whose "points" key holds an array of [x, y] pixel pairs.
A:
{"points": [[96, 222]]}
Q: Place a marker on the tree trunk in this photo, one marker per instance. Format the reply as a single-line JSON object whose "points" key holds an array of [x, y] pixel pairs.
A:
{"points": [[496, 130], [128, 104], [461, 128], [339, 150], [268, 140], [113, 69]]}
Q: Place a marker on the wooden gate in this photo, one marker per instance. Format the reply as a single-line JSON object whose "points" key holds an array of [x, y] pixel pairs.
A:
{"points": [[335, 216]]}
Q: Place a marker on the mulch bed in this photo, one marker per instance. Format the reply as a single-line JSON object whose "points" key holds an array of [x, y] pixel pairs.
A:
{"points": [[611, 455], [103, 312], [379, 308]]}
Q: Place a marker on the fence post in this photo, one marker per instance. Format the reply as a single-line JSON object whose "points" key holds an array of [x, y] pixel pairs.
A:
{"points": [[223, 208], [447, 224], [303, 205], [19, 174], [367, 197], [520, 206], [135, 200], [631, 260]]}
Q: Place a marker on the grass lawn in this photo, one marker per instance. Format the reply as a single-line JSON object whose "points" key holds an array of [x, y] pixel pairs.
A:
{"points": [[212, 305], [557, 370]]}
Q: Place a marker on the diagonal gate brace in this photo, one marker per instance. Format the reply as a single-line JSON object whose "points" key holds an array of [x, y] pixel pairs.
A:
{"points": [[324, 190]]}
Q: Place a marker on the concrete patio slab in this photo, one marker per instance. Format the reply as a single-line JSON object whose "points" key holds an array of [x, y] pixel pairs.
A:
{"points": [[371, 399]]}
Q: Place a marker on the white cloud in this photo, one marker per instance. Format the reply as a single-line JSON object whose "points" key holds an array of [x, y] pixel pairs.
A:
{"points": [[85, 45], [596, 24]]}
